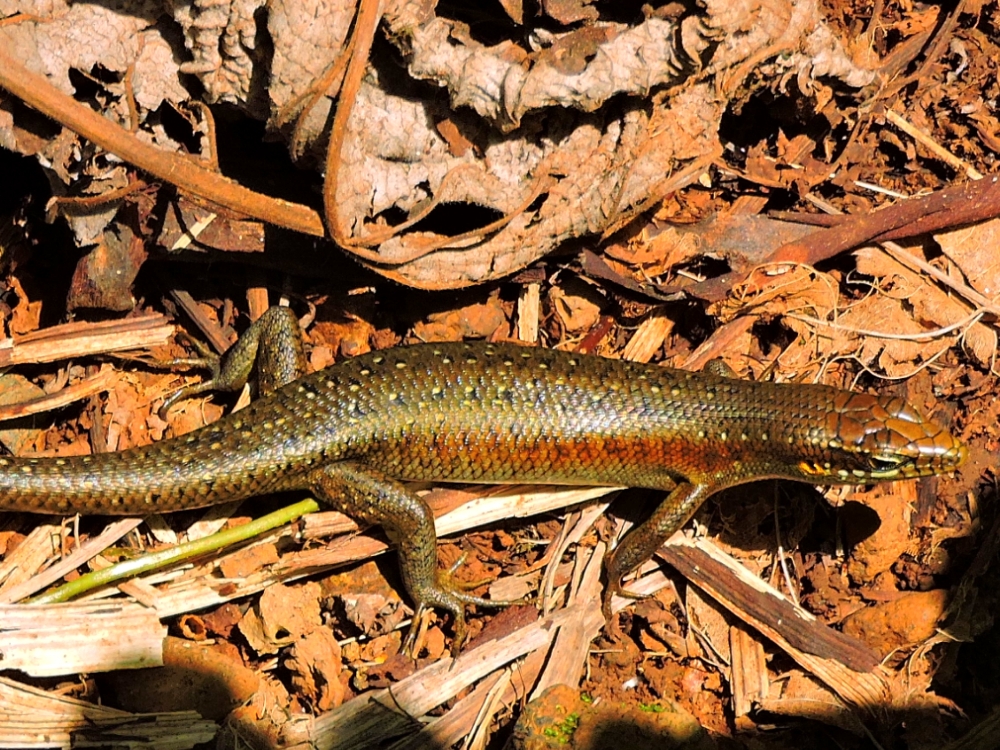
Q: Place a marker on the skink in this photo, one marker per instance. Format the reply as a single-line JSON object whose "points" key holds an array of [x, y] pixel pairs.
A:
{"points": [[492, 413]]}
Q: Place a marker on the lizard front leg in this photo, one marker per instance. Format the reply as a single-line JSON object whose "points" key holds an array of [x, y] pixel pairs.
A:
{"points": [[368, 495]]}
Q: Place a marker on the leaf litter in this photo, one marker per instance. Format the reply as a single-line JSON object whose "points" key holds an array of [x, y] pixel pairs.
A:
{"points": [[674, 183]]}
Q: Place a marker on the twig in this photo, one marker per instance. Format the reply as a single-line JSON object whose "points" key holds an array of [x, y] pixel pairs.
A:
{"points": [[974, 317], [942, 153], [36, 91], [86, 551]]}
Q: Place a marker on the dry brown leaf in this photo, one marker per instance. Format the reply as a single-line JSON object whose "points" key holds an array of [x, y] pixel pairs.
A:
{"points": [[915, 21], [783, 164], [472, 321], [577, 304], [973, 250], [245, 561], [656, 256], [522, 141], [373, 614], [921, 306], [282, 615], [26, 314], [894, 356], [349, 338], [315, 666], [221, 620], [773, 292], [20, 436]]}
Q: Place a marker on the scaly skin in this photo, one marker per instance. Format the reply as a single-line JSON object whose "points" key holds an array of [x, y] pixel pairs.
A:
{"points": [[495, 413]]}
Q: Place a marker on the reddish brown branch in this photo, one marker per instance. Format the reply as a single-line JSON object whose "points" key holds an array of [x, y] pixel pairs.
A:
{"points": [[186, 174]]}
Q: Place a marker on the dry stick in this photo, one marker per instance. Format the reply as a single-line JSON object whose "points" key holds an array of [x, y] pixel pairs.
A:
{"points": [[880, 190], [208, 328], [81, 555], [974, 317], [367, 20], [327, 86], [365, 23], [36, 91], [930, 43], [171, 556], [762, 606], [211, 157], [77, 392], [529, 305], [944, 209], [85, 201], [34, 717], [916, 264], [937, 47], [939, 151], [950, 207]]}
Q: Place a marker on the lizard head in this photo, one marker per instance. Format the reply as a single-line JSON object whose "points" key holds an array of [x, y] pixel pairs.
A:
{"points": [[879, 438]]}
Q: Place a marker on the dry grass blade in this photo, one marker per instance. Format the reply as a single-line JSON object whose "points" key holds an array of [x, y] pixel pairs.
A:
{"points": [[34, 718]]}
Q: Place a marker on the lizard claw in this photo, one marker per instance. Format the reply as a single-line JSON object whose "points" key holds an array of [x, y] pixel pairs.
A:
{"points": [[615, 589], [453, 597]]}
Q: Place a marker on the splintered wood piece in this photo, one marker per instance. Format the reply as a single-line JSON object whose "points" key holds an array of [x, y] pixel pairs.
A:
{"points": [[45, 640], [762, 606], [101, 382], [82, 339], [80, 555]]}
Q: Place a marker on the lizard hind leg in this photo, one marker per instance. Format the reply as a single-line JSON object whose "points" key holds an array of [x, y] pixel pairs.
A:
{"points": [[640, 544], [370, 496]]}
